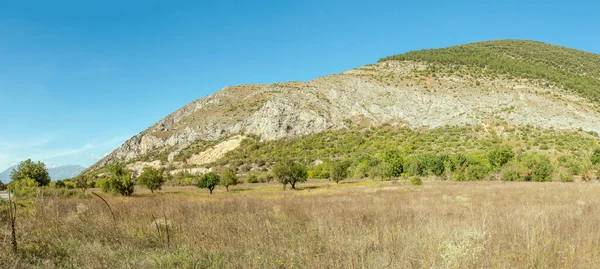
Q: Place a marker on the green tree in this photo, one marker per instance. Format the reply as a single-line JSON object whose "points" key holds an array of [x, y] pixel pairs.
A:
{"points": [[498, 157], [81, 182], [120, 180], [151, 178], [392, 164], [290, 172], [595, 158], [209, 181], [60, 184], [339, 171], [228, 178], [29, 169]]}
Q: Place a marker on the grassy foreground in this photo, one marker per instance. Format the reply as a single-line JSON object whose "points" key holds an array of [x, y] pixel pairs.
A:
{"points": [[370, 224]]}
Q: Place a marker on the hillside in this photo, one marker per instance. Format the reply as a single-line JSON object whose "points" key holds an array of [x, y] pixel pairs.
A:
{"points": [[56, 173], [530, 96]]}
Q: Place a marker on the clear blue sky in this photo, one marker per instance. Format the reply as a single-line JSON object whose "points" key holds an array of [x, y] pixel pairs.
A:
{"points": [[77, 78]]}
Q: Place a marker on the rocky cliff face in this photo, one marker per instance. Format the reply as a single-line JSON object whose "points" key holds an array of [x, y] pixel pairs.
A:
{"points": [[395, 92]]}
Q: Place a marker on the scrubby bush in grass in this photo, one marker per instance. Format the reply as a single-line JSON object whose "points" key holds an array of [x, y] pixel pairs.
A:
{"points": [[32, 170], [416, 181], [290, 172], [511, 174], [104, 185], [81, 182], [498, 157], [595, 158], [538, 167], [266, 177], [228, 178], [252, 179], [23, 187], [209, 181], [566, 177], [120, 180], [60, 184], [571, 164], [321, 171], [151, 178], [393, 164], [339, 171]]}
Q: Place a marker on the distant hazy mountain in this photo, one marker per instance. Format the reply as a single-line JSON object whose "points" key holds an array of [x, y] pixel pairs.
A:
{"points": [[56, 173]]}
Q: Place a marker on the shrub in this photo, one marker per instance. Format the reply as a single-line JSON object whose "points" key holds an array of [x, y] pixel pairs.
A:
{"points": [[151, 178], [120, 180], [566, 177], [252, 178], [416, 181], [267, 177], [60, 184], [595, 158], [23, 187], [538, 167], [104, 185], [393, 164], [498, 157]]}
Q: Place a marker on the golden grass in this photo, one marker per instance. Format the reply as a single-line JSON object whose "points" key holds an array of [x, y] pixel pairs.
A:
{"points": [[369, 224]]}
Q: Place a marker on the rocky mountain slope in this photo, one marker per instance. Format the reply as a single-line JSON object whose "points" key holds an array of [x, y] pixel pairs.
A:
{"points": [[514, 82]]}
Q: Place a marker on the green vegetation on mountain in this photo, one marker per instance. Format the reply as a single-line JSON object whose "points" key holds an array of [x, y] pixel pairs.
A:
{"points": [[570, 69]]}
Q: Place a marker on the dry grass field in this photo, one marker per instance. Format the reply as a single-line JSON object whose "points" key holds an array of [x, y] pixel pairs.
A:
{"points": [[362, 224]]}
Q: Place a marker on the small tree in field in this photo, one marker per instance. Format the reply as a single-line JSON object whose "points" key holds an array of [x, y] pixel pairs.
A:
{"points": [[228, 178], [120, 180], [339, 171], [209, 181], [151, 178], [290, 172], [32, 170], [81, 183]]}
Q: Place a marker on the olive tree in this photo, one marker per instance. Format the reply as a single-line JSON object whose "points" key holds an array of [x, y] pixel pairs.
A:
{"points": [[32, 170], [151, 178], [228, 178], [209, 181], [290, 172], [339, 171]]}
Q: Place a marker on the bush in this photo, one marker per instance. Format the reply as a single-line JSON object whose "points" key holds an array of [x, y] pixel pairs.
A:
{"points": [[252, 178], [393, 164], [267, 177], [511, 174], [538, 167], [498, 157], [23, 187], [416, 181], [566, 177], [104, 185], [151, 179], [60, 184], [595, 158]]}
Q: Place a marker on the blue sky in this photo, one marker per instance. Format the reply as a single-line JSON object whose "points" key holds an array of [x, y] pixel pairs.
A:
{"points": [[78, 78]]}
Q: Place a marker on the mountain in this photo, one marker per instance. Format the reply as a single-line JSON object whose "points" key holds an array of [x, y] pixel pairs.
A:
{"points": [[509, 90], [56, 173]]}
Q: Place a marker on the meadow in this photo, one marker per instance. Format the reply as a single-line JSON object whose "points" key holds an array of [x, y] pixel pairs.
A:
{"points": [[354, 224]]}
